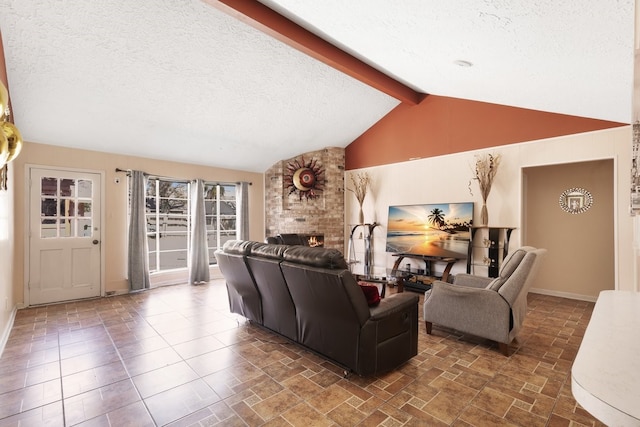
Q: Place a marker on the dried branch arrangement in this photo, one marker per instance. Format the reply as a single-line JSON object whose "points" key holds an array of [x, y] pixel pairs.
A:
{"points": [[485, 172], [361, 183]]}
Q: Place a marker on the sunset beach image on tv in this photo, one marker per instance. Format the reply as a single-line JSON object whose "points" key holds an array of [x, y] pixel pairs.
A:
{"points": [[437, 229]]}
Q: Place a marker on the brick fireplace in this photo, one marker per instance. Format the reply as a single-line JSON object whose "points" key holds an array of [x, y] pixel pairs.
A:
{"points": [[322, 217]]}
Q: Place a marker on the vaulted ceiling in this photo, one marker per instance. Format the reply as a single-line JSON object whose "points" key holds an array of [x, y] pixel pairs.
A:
{"points": [[205, 82]]}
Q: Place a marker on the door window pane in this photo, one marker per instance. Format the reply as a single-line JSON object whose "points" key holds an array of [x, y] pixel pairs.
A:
{"points": [[48, 228], [173, 259], [67, 187], [212, 241], [153, 265], [85, 189], [172, 223], [224, 238], [151, 241], [67, 207], [170, 242], [49, 186], [84, 209], [228, 224], [48, 207], [67, 228], [84, 228]]}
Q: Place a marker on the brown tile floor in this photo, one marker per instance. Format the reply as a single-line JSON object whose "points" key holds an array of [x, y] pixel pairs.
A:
{"points": [[176, 356]]}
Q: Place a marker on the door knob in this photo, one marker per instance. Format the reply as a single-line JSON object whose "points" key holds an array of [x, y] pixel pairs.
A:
{"points": [[95, 241]]}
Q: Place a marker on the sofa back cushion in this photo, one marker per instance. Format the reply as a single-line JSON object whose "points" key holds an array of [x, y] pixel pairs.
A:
{"points": [[275, 252], [316, 257], [330, 309], [278, 311], [244, 297], [240, 247]]}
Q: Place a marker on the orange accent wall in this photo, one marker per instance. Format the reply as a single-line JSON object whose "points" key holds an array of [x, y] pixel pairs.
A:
{"points": [[3, 66], [440, 125]]}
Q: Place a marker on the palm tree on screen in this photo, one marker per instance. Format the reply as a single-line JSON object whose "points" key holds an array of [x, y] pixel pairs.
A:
{"points": [[436, 218]]}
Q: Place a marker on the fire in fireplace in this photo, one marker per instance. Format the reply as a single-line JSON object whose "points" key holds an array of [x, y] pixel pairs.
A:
{"points": [[314, 240]]}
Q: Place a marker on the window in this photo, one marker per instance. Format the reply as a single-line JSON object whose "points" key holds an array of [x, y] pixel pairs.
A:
{"points": [[168, 224], [168, 215], [220, 211]]}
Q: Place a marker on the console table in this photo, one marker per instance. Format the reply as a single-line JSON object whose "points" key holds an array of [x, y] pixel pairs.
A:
{"points": [[605, 377]]}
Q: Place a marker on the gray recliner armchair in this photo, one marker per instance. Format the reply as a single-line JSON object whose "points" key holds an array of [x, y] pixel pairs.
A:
{"points": [[486, 307]]}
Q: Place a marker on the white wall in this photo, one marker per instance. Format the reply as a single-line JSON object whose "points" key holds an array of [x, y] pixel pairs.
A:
{"points": [[446, 179]]}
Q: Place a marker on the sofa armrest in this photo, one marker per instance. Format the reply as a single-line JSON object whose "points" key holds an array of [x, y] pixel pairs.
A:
{"points": [[393, 304], [390, 336], [472, 281]]}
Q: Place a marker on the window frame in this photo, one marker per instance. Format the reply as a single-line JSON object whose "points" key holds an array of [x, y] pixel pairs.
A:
{"points": [[219, 234]]}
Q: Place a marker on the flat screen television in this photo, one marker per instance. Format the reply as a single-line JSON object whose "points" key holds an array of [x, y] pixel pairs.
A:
{"points": [[434, 229]]}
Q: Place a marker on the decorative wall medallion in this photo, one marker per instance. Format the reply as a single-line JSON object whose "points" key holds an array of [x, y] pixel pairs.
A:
{"points": [[305, 179], [576, 200]]}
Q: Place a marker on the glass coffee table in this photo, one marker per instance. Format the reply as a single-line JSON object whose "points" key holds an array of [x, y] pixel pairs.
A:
{"points": [[394, 279]]}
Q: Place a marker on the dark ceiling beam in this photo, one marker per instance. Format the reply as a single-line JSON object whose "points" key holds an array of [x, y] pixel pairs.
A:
{"points": [[270, 22]]}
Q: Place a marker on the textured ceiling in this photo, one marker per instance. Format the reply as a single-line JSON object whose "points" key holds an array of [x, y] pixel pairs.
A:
{"points": [[569, 57], [186, 82]]}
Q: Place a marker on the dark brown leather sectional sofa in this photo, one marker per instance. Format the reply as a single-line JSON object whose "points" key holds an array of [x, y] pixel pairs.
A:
{"points": [[309, 296]]}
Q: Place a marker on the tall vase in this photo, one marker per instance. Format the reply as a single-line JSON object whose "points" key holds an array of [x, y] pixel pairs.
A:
{"points": [[361, 216], [484, 214]]}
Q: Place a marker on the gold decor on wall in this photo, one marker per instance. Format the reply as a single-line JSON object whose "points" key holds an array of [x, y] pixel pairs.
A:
{"points": [[10, 138], [14, 139], [306, 179]]}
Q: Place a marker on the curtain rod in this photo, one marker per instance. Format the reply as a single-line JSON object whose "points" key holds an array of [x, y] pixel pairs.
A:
{"points": [[128, 172]]}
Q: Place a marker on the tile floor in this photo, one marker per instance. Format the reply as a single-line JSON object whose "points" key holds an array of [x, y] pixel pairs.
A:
{"points": [[176, 356]]}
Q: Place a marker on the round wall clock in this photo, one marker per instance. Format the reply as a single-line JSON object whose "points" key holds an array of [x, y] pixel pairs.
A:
{"points": [[576, 200], [304, 178]]}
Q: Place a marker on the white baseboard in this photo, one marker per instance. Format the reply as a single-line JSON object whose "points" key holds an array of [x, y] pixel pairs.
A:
{"points": [[7, 330], [568, 295]]}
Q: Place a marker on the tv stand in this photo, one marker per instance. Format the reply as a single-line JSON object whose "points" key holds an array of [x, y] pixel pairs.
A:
{"points": [[428, 270]]}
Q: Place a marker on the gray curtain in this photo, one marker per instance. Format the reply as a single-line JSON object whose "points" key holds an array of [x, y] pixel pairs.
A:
{"points": [[138, 246], [242, 195], [199, 256]]}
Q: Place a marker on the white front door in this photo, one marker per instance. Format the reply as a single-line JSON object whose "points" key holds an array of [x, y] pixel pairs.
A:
{"points": [[64, 236]]}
